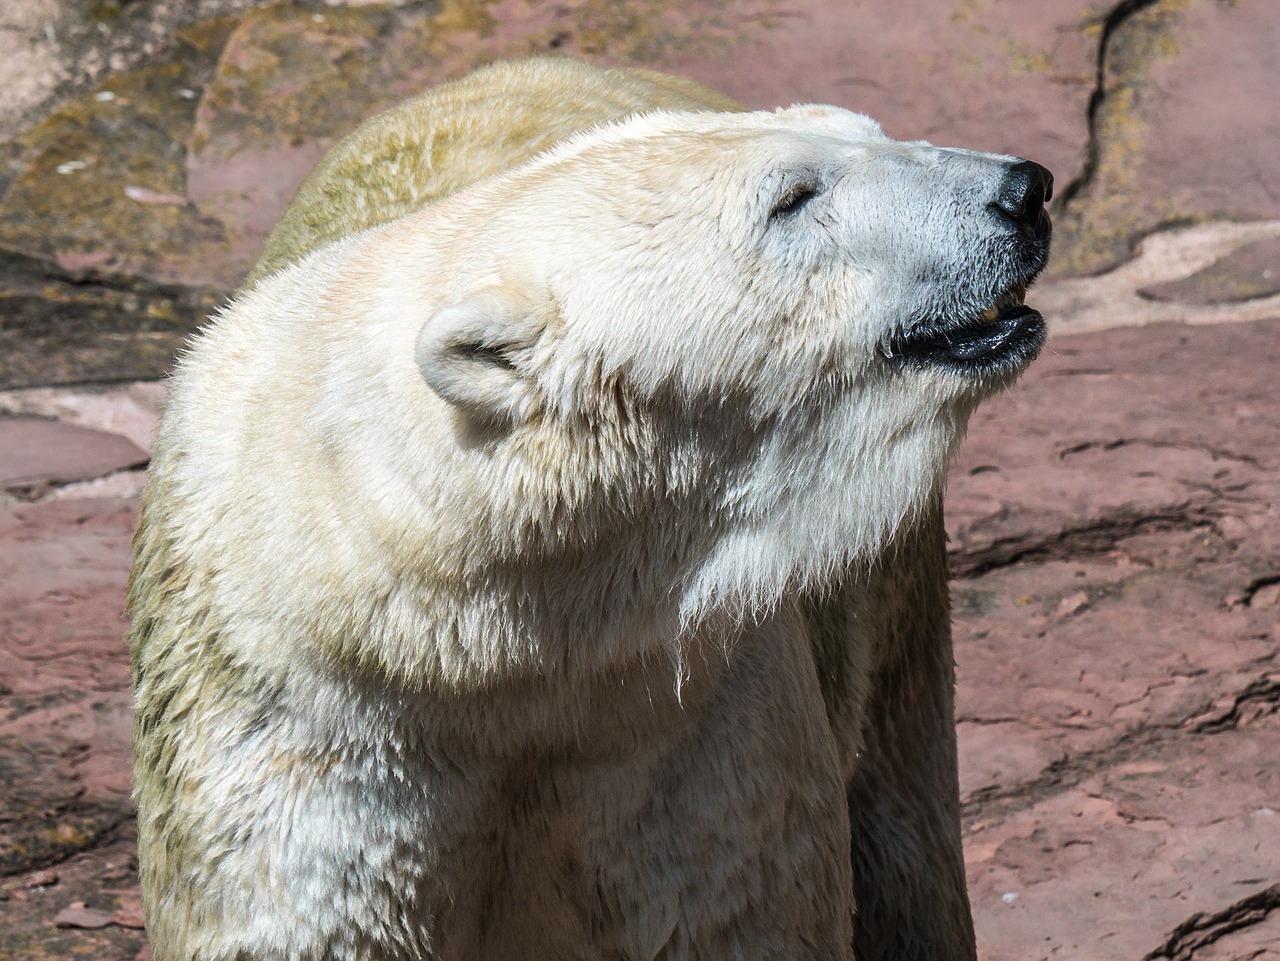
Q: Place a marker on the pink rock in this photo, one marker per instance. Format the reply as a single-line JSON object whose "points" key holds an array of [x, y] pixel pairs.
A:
{"points": [[76, 915], [37, 454], [1110, 869], [64, 701], [130, 917], [1211, 143], [1005, 77], [1119, 727], [1250, 272], [1127, 427]]}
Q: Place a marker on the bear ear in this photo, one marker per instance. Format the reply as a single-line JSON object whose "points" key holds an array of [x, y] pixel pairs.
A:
{"points": [[466, 353]]}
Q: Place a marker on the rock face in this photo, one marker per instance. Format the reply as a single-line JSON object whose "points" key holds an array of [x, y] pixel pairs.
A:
{"points": [[144, 170], [38, 454], [1113, 519], [1116, 608], [66, 827], [1180, 126]]}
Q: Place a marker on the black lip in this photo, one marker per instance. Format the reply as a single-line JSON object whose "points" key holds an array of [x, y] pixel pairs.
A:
{"points": [[1007, 343]]}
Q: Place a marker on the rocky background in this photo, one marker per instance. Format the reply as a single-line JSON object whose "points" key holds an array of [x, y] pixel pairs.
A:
{"points": [[1115, 537]]}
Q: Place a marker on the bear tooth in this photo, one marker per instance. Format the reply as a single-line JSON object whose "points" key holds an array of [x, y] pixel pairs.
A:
{"points": [[992, 313]]}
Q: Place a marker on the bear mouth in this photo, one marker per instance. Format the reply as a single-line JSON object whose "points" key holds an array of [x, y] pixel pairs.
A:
{"points": [[1006, 336]]}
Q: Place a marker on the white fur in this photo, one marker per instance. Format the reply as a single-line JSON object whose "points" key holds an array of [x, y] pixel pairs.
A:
{"points": [[464, 491]]}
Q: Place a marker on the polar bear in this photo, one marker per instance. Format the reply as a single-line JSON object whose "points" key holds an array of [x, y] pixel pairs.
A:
{"points": [[556, 571]]}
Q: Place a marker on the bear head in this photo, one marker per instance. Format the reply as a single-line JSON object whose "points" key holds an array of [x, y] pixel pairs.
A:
{"points": [[667, 373]]}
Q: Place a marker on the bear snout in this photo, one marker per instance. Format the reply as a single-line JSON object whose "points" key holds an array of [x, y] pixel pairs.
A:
{"points": [[1022, 193]]}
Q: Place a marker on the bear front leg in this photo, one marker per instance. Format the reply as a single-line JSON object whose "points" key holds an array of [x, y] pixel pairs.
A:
{"points": [[883, 647]]}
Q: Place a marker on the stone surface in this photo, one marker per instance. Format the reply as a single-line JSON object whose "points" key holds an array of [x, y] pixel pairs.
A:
{"points": [[1115, 528], [1112, 867], [102, 184], [64, 723], [1114, 519], [131, 411], [77, 915], [177, 135], [38, 454], [50, 51], [1203, 274], [1249, 273], [1184, 126]]}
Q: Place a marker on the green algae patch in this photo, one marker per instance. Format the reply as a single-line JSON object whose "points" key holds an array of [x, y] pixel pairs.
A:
{"points": [[126, 213], [1097, 229], [106, 173], [66, 326], [30, 844], [105, 266], [658, 33], [289, 73]]}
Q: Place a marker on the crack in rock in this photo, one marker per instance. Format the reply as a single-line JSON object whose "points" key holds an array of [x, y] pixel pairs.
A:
{"points": [[125, 478], [68, 326], [1258, 699], [1252, 590], [27, 274], [1096, 217], [1215, 453], [1062, 774], [1203, 929], [1115, 18], [1097, 537]]}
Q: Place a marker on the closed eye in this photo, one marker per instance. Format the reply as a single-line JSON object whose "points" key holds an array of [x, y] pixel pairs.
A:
{"points": [[794, 198]]}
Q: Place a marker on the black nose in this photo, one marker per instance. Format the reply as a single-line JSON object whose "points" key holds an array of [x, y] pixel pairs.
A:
{"points": [[1021, 197]]}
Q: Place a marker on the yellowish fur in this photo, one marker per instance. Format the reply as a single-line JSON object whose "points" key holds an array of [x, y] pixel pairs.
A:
{"points": [[457, 133]]}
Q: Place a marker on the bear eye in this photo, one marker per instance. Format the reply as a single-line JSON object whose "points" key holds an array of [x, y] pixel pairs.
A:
{"points": [[794, 198]]}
